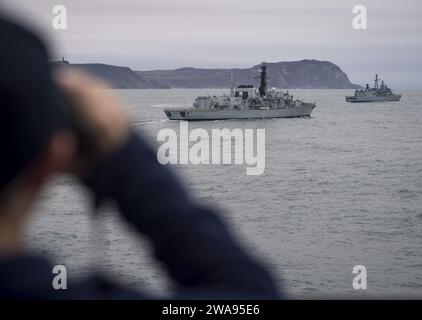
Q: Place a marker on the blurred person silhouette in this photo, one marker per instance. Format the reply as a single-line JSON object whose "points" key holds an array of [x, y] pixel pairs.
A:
{"points": [[63, 124]]}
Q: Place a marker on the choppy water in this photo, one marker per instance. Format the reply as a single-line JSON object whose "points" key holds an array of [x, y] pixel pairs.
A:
{"points": [[340, 189]]}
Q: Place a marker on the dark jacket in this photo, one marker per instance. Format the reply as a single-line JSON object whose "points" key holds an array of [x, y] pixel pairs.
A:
{"points": [[193, 243]]}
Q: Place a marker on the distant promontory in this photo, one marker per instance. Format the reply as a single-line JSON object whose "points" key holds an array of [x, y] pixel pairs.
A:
{"points": [[304, 74]]}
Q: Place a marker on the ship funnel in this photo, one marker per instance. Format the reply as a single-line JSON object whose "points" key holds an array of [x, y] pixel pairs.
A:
{"points": [[263, 82]]}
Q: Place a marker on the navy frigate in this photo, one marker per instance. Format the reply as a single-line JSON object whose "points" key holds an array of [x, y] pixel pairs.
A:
{"points": [[379, 93], [245, 102]]}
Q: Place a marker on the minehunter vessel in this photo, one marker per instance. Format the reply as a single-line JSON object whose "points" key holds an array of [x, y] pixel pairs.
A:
{"points": [[245, 102], [378, 93]]}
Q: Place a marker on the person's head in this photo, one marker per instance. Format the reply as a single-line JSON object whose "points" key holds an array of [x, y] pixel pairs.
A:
{"points": [[34, 139]]}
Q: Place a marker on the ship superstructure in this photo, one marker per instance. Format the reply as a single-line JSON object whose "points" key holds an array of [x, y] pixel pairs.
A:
{"points": [[245, 102], [380, 92]]}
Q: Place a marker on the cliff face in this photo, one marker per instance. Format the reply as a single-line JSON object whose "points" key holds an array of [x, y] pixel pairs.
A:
{"points": [[306, 74], [296, 74], [115, 76]]}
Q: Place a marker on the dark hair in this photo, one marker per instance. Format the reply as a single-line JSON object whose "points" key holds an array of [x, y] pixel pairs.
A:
{"points": [[30, 110]]}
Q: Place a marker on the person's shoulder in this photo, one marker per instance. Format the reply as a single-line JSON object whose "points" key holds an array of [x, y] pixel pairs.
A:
{"points": [[98, 286], [31, 276], [23, 49]]}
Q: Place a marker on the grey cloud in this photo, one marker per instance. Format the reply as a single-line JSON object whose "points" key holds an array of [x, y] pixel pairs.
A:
{"points": [[151, 34]]}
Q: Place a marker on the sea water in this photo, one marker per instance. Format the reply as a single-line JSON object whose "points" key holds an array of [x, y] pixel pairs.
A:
{"points": [[341, 188]]}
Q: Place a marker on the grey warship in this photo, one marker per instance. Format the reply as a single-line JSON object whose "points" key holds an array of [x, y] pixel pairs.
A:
{"points": [[245, 102], [378, 93]]}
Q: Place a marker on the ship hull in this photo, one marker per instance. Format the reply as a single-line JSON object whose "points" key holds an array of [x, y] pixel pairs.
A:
{"points": [[395, 97], [198, 115]]}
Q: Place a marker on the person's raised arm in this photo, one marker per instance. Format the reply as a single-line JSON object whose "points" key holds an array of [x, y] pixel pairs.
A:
{"points": [[199, 252]]}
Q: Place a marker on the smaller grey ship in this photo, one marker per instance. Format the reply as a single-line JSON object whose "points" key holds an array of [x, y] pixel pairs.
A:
{"points": [[378, 93], [245, 102]]}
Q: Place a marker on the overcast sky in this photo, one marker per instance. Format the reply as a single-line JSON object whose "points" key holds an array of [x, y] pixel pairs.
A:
{"points": [[161, 34]]}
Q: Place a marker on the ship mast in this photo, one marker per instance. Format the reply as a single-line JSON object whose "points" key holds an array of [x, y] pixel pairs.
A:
{"points": [[376, 81]]}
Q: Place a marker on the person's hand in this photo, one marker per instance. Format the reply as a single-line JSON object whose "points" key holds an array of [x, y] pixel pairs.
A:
{"points": [[97, 110]]}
